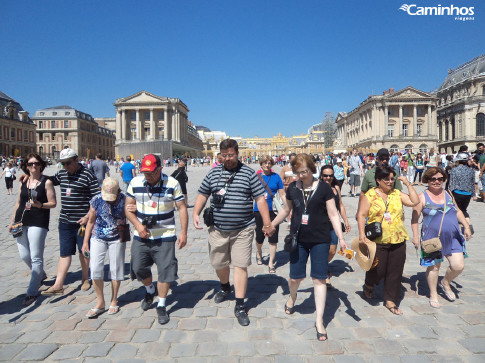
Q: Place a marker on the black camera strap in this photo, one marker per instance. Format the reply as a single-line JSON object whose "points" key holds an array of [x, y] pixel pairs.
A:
{"points": [[147, 186]]}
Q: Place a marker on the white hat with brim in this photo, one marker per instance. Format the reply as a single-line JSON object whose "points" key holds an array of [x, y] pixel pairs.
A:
{"points": [[67, 154], [364, 253]]}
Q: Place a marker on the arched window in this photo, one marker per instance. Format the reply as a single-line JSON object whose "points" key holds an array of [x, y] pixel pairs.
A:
{"points": [[480, 124], [53, 151], [408, 146], [41, 150], [453, 134], [394, 148], [423, 148]]}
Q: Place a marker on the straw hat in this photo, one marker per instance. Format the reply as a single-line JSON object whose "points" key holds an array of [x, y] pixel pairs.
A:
{"points": [[364, 254]]}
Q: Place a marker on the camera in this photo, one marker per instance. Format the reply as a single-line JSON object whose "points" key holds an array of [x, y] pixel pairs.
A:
{"points": [[218, 198], [148, 222]]}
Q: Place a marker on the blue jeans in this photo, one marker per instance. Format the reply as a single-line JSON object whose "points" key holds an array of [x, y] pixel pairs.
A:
{"points": [[318, 257], [31, 249]]}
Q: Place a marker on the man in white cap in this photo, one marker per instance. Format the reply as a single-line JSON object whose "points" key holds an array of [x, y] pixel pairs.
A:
{"points": [[78, 186]]}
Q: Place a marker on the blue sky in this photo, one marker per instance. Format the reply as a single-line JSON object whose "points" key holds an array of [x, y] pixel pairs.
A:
{"points": [[249, 68]]}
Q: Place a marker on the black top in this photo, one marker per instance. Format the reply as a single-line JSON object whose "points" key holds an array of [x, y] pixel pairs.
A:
{"points": [[182, 178], [318, 228], [35, 217]]}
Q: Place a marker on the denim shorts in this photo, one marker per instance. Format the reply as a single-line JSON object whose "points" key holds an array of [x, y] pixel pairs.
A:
{"points": [[318, 253], [482, 179], [334, 241], [68, 239]]}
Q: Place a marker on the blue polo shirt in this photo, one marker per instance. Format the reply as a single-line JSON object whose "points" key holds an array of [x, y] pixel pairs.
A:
{"points": [[274, 184], [127, 168]]}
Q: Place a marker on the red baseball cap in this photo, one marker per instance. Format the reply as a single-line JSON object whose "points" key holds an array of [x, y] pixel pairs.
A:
{"points": [[150, 163]]}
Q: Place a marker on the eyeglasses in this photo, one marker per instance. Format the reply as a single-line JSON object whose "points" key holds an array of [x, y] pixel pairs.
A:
{"points": [[303, 172], [328, 175], [228, 156], [64, 163], [388, 180], [439, 179], [36, 163]]}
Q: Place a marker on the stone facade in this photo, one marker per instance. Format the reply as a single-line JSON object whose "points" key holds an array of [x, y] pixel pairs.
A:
{"points": [[461, 107], [63, 126], [395, 120], [145, 117], [17, 130]]}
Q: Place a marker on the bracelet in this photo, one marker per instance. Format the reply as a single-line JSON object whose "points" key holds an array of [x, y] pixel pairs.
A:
{"points": [[267, 226]]}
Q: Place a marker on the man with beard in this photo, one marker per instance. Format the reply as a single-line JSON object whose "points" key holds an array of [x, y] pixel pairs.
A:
{"points": [[382, 159]]}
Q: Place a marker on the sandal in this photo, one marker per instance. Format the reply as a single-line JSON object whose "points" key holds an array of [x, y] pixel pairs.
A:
{"points": [[450, 295], [321, 335], [367, 291], [93, 313], [259, 260], [113, 310], [434, 304], [271, 270], [288, 310], [394, 309]]}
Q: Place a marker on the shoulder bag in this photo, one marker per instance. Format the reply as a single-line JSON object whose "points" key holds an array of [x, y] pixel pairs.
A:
{"points": [[277, 202], [291, 241], [374, 230], [434, 244]]}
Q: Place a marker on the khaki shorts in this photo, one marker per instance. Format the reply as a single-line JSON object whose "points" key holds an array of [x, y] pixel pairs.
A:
{"points": [[226, 248]]}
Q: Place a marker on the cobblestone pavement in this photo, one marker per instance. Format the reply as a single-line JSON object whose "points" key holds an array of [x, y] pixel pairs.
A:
{"points": [[55, 329]]}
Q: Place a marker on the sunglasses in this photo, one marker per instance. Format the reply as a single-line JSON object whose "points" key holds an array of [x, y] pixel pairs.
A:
{"points": [[36, 163], [328, 175], [439, 179]]}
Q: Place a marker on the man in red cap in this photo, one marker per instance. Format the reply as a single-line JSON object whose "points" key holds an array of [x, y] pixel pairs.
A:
{"points": [[154, 195]]}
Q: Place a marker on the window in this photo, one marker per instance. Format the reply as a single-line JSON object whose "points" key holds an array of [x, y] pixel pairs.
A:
{"points": [[420, 110], [481, 124], [390, 111], [405, 130], [66, 124], [133, 116], [12, 133], [394, 148], [26, 135], [161, 115], [483, 90], [390, 130], [54, 113], [53, 124], [41, 150], [423, 148], [147, 116], [133, 134], [447, 136], [409, 146], [440, 131], [67, 113], [41, 113], [452, 128], [405, 111], [41, 124], [419, 130]]}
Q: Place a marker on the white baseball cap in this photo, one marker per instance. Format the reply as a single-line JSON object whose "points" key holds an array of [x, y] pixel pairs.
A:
{"points": [[67, 154]]}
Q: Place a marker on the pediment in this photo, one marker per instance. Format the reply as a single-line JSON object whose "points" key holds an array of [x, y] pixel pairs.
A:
{"points": [[142, 97], [408, 92]]}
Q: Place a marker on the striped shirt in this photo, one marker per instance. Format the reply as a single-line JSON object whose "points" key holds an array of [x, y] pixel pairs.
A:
{"points": [[236, 212], [76, 191], [156, 202]]}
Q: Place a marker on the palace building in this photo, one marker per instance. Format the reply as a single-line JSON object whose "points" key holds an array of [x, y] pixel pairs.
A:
{"points": [[17, 130], [394, 120], [461, 107], [146, 123], [64, 126]]}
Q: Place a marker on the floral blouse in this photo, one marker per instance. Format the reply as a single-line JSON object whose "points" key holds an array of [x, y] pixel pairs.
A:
{"points": [[108, 216]]}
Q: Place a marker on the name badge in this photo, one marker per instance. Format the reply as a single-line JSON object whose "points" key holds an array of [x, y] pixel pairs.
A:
{"points": [[68, 191], [151, 204], [304, 219], [221, 192], [387, 216], [28, 206]]}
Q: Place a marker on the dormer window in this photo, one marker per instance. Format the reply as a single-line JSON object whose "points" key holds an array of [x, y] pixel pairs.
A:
{"points": [[54, 113]]}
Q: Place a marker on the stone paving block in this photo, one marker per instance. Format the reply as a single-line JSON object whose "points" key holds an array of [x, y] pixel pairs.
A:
{"points": [[68, 351], [419, 346], [415, 359], [146, 335], [96, 360], [205, 312], [64, 337], [270, 323], [257, 360], [241, 349], [144, 322], [348, 359], [179, 350], [476, 331], [474, 319], [359, 346], [173, 336], [90, 324], [10, 336], [422, 332], [260, 334], [123, 351], [288, 359], [366, 333], [387, 346], [93, 336], [299, 348], [448, 358], [111, 324], [36, 352], [68, 324], [205, 336], [225, 360], [171, 325], [220, 324], [181, 313], [208, 349], [383, 359], [34, 336], [474, 345], [130, 360], [265, 348], [192, 324], [153, 350], [8, 351], [120, 336], [329, 347], [98, 349]]}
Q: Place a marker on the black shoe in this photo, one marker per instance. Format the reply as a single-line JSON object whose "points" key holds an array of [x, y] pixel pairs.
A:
{"points": [[29, 300], [221, 295], [163, 317], [241, 315], [148, 300]]}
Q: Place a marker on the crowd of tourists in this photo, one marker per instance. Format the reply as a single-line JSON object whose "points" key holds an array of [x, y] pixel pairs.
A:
{"points": [[240, 205]]}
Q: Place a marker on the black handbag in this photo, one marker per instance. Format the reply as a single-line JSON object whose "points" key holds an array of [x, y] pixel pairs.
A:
{"points": [[124, 232], [209, 216], [374, 230], [291, 241]]}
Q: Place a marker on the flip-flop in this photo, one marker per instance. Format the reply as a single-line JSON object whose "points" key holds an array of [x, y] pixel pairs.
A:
{"points": [[271, 270], [448, 295], [93, 313], [434, 304], [394, 309], [288, 310], [113, 310], [259, 261]]}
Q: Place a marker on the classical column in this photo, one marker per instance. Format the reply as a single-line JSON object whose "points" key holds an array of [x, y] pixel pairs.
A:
{"points": [[138, 125], [429, 120], [400, 121], [386, 120], [152, 125], [174, 125], [123, 125], [345, 133], [415, 121], [118, 126], [165, 124]]}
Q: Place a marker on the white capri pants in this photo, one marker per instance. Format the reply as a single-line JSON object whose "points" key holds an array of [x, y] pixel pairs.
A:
{"points": [[116, 253]]}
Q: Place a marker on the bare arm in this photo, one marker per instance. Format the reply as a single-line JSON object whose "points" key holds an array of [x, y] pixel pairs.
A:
{"points": [[282, 194], [417, 210], [184, 220], [17, 203], [264, 211], [412, 199], [140, 228], [282, 214], [200, 202], [343, 212], [335, 220], [362, 213], [89, 229]]}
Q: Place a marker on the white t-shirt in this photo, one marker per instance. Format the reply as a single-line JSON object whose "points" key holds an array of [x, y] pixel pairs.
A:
{"points": [[443, 158], [9, 172]]}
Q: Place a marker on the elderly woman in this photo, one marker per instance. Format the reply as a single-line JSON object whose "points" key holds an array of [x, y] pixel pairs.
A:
{"points": [[327, 174], [272, 185], [9, 173], [462, 183], [106, 213], [384, 205], [182, 178], [36, 197], [440, 218], [339, 172], [314, 215]]}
